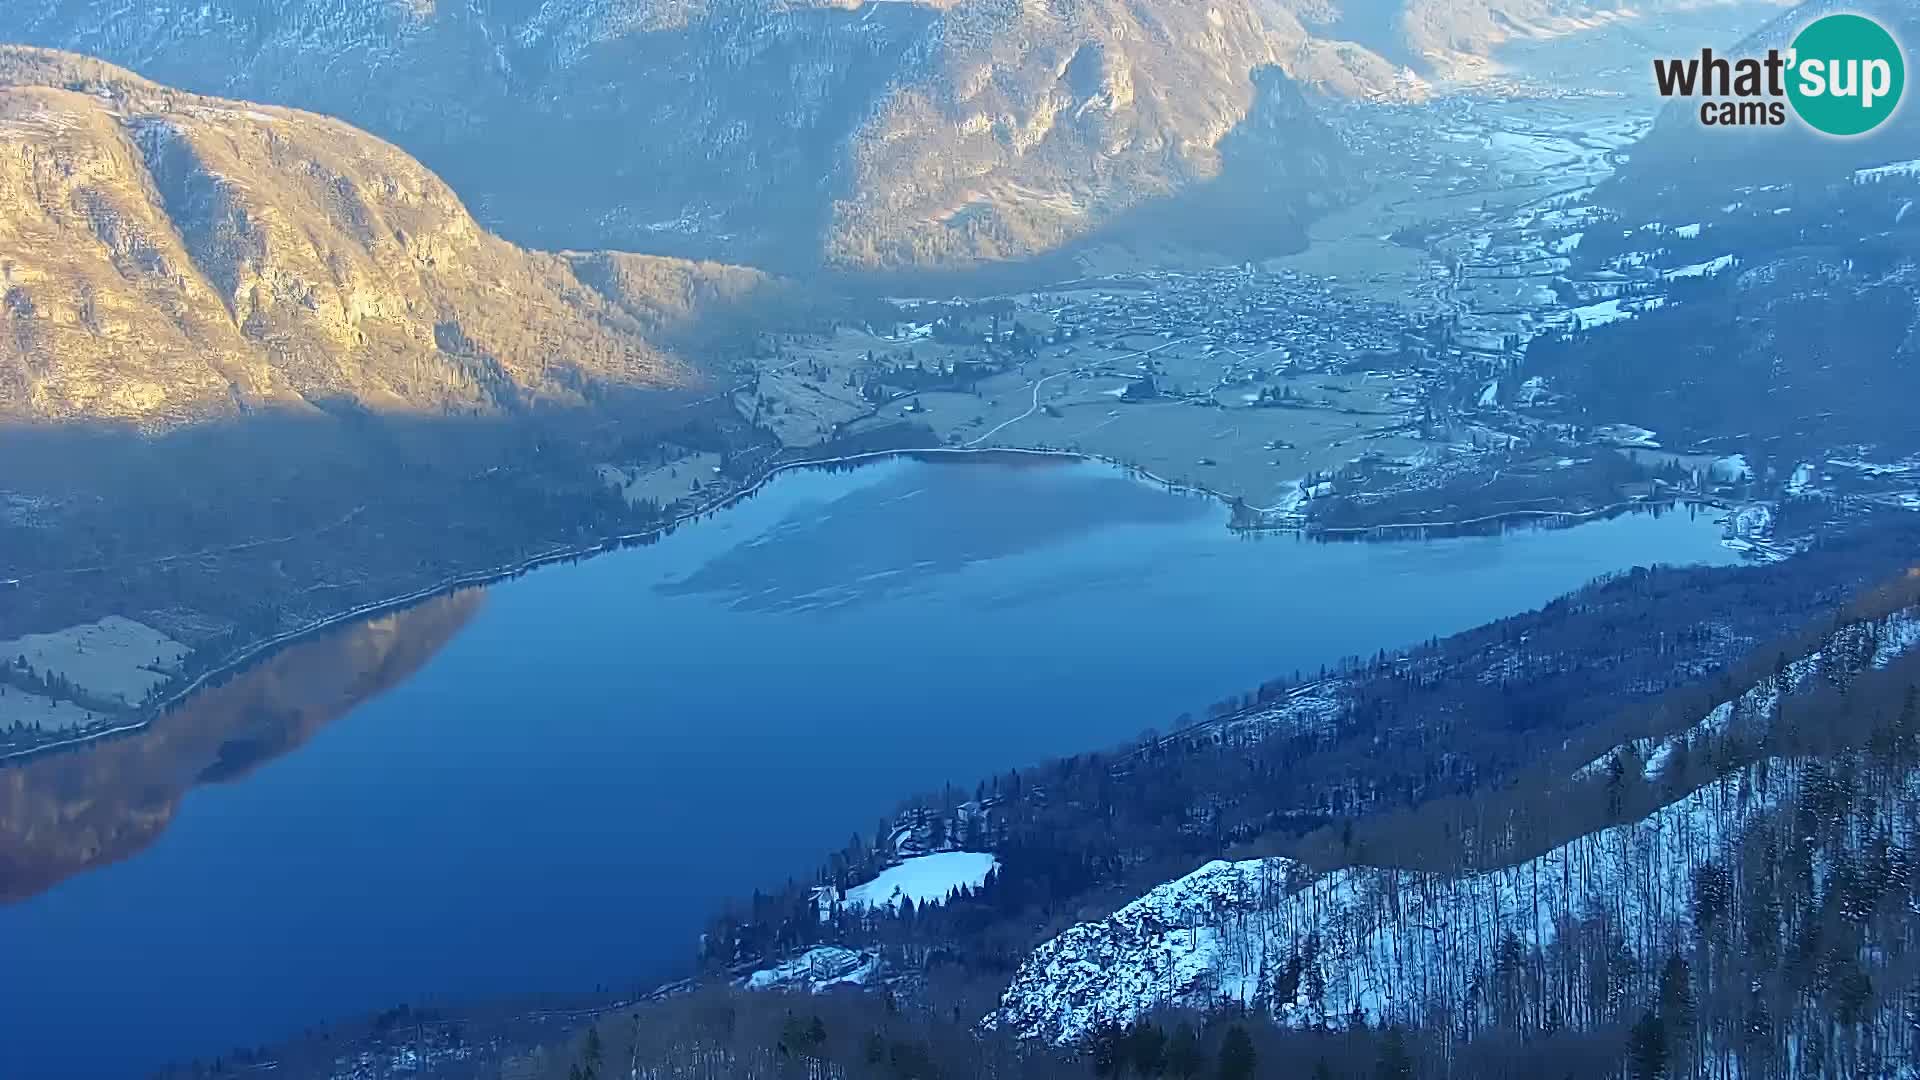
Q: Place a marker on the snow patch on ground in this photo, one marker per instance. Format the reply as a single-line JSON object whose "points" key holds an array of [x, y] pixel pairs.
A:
{"points": [[1750, 521], [927, 879], [1315, 707], [1732, 469], [1875, 469], [1612, 311], [1702, 269], [1899, 635], [1628, 435], [1634, 260], [1710, 724]]}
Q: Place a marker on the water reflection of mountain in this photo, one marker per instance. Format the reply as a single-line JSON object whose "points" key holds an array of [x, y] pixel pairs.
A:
{"points": [[70, 812]]}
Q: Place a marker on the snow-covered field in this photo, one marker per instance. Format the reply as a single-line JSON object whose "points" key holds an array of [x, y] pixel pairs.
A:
{"points": [[19, 707], [114, 660], [1612, 311], [926, 879]]}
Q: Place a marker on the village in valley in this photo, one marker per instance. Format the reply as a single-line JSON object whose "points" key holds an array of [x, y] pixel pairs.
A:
{"points": [[1372, 372], [1379, 377]]}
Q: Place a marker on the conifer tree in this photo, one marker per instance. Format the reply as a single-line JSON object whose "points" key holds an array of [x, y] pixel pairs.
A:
{"points": [[1647, 1048], [1184, 1059], [1394, 1063], [1237, 1055]]}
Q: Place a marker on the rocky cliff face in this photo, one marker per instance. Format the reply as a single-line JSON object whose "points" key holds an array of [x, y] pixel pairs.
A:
{"points": [[167, 258], [1027, 126], [813, 131], [859, 135], [863, 135]]}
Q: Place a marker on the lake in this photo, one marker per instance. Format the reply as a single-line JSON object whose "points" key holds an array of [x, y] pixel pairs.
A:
{"points": [[548, 784]]}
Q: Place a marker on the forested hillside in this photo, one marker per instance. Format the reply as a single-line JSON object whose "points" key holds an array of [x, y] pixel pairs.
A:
{"points": [[1779, 323]]}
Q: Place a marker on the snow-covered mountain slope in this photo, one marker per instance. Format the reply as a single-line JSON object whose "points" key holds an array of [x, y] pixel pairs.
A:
{"points": [[1874, 642], [1391, 945], [862, 134], [876, 134], [1383, 944]]}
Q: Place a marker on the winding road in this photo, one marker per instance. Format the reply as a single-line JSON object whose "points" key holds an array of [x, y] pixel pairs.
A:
{"points": [[1045, 379]]}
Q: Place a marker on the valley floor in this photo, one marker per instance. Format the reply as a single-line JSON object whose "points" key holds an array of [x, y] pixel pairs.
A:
{"points": [[1387, 341]]}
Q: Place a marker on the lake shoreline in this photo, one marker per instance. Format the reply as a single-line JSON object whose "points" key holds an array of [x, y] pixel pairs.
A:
{"points": [[462, 753], [1475, 525], [1284, 522]]}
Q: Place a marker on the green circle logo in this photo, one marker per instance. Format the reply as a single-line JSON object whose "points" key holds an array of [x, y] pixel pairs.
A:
{"points": [[1847, 75]]}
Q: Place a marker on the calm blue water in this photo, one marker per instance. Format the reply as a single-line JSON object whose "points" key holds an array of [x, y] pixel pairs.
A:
{"points": [[600, 754]]}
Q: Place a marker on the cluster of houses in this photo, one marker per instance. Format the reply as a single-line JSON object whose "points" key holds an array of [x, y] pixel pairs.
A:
{"points": [[1288, 318]]}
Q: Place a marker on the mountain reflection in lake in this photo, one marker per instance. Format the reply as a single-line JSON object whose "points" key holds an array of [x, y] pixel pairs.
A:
{"points": [[66, 812]]}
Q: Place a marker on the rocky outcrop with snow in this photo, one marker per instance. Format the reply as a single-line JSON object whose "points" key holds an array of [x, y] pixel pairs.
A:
{"points": [[1387, 943], [1390, 945]]}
